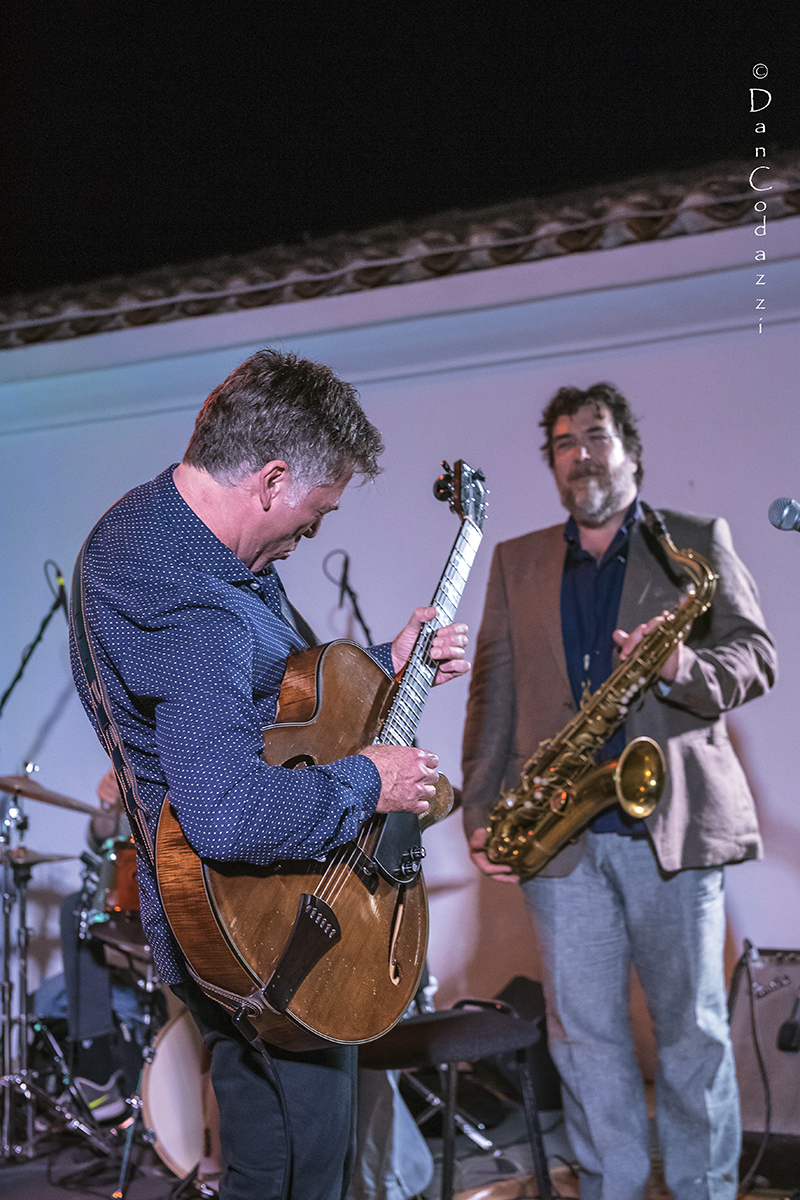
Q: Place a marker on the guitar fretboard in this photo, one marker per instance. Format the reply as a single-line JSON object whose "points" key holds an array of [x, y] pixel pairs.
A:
{"points": [[400, 726]]}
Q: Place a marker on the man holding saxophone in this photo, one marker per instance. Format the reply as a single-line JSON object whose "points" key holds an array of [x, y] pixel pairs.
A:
{"points": [[563, 606]]}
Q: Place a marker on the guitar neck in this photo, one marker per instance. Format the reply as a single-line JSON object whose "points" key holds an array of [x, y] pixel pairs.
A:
{"points": [[400, 726]]}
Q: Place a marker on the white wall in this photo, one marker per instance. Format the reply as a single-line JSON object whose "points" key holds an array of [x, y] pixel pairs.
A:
{"points": [[457, 367]]}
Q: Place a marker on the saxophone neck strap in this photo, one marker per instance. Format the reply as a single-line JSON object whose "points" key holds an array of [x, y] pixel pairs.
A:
{"points": [[107, 728]]}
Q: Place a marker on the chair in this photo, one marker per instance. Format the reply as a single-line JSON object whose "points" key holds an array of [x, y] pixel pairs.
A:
{"points": [[471, 1030]]}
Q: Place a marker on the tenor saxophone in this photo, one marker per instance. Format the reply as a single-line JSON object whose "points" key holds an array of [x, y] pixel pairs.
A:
{"points": [[561, 787]]}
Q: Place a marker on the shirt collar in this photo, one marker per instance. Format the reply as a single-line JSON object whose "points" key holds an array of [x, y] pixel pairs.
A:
{"points": [[200, 546]]}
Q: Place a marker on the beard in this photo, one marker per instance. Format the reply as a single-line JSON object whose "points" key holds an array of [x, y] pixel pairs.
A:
{"points": [[593, 493]]}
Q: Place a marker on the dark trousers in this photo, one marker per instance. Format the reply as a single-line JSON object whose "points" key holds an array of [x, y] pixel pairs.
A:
{"points": [[319, 1089]]}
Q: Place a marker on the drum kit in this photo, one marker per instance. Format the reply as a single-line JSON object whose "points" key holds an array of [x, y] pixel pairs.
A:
{"points": [[173, 1107]]}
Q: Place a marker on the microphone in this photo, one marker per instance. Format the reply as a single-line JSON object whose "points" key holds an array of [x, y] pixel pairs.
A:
{"points": [[785, 514]]}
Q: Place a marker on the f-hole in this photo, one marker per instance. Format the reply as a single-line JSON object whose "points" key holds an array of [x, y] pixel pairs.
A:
{"points": [[298, 761]]}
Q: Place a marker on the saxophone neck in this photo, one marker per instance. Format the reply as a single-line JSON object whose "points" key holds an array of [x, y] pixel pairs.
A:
{"points": [[690, 564]]}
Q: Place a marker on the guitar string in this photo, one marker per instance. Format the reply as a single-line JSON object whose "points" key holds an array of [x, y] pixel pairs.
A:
{"points": [[342, 861]]}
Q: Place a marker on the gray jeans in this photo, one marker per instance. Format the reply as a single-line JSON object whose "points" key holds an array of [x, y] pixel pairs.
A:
{"points": [[614, 910]]}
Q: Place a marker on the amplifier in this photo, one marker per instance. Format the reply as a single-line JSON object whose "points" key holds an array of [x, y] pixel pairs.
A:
{"points": [[775, 986]]}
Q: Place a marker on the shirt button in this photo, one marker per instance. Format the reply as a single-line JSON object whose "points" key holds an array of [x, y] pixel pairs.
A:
{"points": [[255, 586]]}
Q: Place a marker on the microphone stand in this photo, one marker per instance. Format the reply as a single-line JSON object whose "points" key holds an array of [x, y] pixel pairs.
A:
{"points": [[345, 589], [60, 601]]}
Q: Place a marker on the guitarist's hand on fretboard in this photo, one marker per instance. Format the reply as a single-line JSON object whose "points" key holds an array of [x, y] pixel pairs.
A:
{"points": [[408, 777], [447, 647]]}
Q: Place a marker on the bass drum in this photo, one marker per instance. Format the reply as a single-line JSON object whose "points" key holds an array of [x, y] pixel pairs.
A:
{"points": [[178, 1102]]}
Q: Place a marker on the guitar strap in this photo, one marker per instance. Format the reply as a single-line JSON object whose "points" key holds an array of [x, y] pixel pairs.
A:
{"points": [[294, 618], [101, 707]]}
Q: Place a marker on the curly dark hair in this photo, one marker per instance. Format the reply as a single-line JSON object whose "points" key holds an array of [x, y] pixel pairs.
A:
{"points": [[277, 406], [568, 400]]}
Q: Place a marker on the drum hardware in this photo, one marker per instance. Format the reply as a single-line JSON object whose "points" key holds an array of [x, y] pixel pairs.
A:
{"points": [[16, 874], [131, 1126], [89, 882], [117, 1142], [56, 1055], [69, 1112], [17, 1081], [125, 948], [68, 1109], [108, 913], [191, 1186], [174, 1111], [76, 1124], [15, 821], [18, 863]]}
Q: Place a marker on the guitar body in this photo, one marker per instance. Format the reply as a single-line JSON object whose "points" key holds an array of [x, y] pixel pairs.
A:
{"points": [[238, 925]]}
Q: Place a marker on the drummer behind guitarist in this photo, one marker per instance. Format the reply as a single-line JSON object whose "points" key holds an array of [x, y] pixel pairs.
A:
{"points": [[191, 631]]}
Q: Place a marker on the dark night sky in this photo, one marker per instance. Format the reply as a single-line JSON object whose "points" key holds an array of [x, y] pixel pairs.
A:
{"points": [[159, 132]]}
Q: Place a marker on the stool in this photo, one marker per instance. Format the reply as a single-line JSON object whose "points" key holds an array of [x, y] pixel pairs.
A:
{"points": [[461, 1034]]}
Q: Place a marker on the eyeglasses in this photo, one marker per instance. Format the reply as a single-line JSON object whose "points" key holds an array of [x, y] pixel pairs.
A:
{"points": [[593, 443]]}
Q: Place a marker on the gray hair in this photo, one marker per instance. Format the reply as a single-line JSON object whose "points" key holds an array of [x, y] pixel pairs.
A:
{"points": [[277, 406]]}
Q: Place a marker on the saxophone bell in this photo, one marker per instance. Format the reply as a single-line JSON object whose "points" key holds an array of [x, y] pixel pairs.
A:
{"points": [[526, 835], [636, 779]]}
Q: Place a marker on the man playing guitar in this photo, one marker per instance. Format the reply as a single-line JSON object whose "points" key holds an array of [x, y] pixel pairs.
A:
{"points": [[189, 631]]}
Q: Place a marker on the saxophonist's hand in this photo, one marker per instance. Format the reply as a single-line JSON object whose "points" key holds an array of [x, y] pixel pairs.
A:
{"points": [[499, 871], [629, 641]]}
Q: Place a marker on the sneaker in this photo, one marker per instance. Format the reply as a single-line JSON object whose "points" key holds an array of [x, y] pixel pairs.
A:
{"points": [[104, 1101]]}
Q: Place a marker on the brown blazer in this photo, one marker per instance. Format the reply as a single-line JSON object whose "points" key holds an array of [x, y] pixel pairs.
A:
{"points": [[520, 692]]}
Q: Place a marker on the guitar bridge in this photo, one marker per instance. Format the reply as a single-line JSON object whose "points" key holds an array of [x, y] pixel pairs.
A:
{"points": [[315, 930]]}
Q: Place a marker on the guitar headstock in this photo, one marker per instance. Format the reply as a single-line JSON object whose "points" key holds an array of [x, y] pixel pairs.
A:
{"points": [[465, 491]]}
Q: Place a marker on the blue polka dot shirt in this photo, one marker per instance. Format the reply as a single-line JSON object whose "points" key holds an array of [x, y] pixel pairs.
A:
{"points": [[192, 648]]}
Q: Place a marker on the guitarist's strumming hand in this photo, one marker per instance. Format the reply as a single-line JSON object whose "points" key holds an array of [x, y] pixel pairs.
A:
{"points": [[408, 777], [447, 647]]}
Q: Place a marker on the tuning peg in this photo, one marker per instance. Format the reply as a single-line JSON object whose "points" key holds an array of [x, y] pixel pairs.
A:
{"points": [[443, 487]]}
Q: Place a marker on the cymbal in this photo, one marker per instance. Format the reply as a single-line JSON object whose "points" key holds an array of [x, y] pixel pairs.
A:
{"points": [[23, 856], [34, 791]]}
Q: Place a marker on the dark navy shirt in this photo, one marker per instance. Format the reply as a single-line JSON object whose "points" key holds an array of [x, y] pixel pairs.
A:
{"points": [[193, 648], [590, 596]]}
